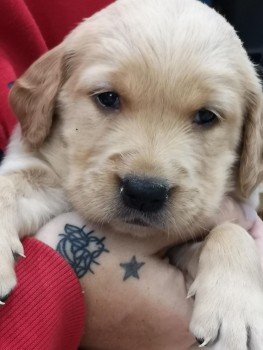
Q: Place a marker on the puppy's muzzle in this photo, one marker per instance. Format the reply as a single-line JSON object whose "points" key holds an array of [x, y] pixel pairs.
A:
{"points": [[144, 194]]}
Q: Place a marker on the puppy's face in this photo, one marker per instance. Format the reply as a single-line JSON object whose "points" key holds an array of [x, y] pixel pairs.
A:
{"points": [[149, 145], [152, 108]]}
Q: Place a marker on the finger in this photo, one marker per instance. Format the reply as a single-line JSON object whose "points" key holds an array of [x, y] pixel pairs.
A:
{"points": [[256, 230], [235, 212]]}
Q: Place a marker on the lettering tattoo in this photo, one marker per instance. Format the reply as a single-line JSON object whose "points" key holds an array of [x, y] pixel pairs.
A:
{"points": [[80, 249], [131, 268]]}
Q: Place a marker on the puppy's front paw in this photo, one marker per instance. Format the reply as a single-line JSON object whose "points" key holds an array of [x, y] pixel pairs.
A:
{"points": [[227, 317], [228, 292], [10, 249]]}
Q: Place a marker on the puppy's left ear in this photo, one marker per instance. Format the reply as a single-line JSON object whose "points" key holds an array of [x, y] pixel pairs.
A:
{"points": [[33, 96], [251, 159]]}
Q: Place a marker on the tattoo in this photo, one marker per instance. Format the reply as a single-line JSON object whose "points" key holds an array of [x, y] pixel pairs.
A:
{"points": [[131, 268], [80, 249]]}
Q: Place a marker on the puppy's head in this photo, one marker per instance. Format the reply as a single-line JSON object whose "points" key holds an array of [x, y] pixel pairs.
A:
{"points": [[159, 110]]}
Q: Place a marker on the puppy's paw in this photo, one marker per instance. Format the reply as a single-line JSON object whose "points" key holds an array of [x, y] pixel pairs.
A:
{"points": [[10, 250], [227, 317], [228, 297]]}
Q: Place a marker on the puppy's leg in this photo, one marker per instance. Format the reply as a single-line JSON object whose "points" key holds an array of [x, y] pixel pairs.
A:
{"points": [[28, 199], [228, 291], [186, 258]]}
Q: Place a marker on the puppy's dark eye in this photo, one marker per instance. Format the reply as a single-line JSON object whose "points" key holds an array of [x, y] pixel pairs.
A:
{"points": [[109, 99], [204, 116]]}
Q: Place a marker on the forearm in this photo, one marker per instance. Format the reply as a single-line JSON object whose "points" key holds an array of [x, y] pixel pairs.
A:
{"points": [[133, 299]]}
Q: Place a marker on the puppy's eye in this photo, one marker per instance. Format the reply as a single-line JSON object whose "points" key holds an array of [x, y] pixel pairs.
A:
{"points": [[204, 116], [109, 99]]}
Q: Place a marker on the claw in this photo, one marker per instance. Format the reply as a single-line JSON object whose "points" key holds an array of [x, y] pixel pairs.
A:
{"points": [[18, 255], [1, 303], [190, 294], [4, 298], [204, 343], [200, 340]]}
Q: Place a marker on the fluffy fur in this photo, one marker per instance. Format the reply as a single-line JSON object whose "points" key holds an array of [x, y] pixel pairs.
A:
{"points": [[167, 60]]}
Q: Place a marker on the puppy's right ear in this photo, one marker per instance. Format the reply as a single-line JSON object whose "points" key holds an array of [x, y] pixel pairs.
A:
{"points": [[32, 97]]}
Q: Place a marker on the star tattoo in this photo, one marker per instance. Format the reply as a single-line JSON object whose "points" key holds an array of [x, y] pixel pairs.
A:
{"points": [[131, 268]]}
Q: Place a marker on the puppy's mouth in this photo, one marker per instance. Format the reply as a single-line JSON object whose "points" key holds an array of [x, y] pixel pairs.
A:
{"points": [[140, 226], [137, 222]]}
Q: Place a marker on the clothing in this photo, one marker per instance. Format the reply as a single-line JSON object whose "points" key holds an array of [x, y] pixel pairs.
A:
{"points": [[46, 309]]}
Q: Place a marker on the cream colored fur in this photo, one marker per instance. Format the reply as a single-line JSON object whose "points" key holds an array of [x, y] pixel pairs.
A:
{"points": [[167, 59]]}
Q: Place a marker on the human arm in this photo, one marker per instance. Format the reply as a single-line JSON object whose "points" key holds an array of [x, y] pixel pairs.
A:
{"points": [[149, 312]]}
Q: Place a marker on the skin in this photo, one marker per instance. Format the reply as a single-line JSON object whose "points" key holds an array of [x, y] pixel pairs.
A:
{"points": [[149, 312]]}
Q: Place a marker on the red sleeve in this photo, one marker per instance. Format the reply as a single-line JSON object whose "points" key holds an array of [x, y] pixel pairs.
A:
{"points": [[28, 28], [46, 309]]}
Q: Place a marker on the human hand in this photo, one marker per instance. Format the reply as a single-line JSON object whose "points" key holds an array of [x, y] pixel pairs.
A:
{"points": [[244, 216], [144, 307], [134, 300]]}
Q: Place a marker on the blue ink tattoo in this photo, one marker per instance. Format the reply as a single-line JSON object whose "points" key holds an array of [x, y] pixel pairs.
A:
{"points": [[80, 249], [131, 268]]}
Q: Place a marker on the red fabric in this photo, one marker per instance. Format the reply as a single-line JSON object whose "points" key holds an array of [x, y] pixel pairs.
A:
{"points": [[46, 309], [27, 29]]}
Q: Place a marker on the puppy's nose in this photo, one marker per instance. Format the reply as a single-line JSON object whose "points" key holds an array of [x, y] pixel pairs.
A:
{"points": [[143, 194]]}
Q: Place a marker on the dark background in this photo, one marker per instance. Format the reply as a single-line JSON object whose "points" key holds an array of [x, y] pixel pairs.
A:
{"points": [[247, 18]]}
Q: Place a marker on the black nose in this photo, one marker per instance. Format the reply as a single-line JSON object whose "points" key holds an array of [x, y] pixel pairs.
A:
{"points": [[144, 194]]}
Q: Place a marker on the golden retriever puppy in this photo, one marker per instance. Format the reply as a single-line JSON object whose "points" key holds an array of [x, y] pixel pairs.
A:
{"points": [[143, 119]]}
